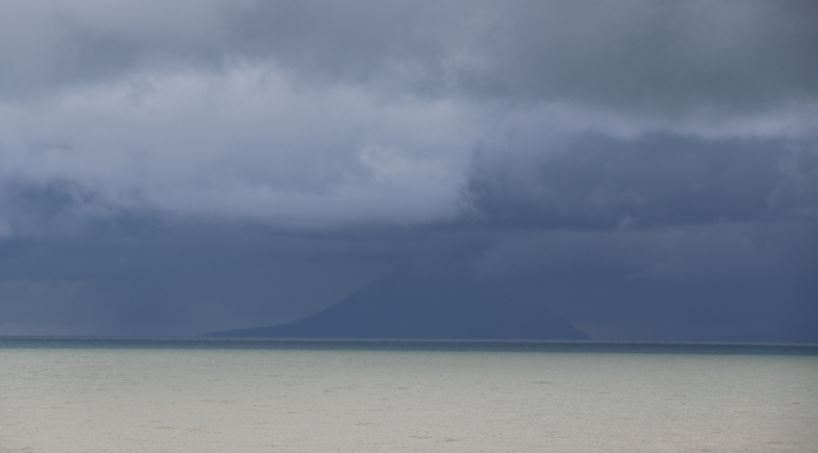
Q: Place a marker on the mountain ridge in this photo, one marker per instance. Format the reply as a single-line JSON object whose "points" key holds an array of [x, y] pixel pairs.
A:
{"points": [[423, 304]]}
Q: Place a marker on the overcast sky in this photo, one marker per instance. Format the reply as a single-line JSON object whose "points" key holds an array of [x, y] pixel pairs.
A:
{"points": [[174, 167]]}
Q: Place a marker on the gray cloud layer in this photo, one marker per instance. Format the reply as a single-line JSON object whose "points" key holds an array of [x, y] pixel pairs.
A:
{"points": [[307, 113], [631, 124]]}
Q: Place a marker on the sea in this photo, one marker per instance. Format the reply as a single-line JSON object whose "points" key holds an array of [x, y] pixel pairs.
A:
{"points": [[218, 395]]}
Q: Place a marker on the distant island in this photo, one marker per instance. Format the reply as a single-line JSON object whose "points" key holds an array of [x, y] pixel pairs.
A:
{"points": [[423, 304]]}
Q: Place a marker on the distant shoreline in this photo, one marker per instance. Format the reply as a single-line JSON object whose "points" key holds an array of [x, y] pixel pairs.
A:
{"points": [[401, 344]]}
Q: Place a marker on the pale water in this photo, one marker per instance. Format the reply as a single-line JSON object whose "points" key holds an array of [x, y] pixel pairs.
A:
{"points": [[389, 397]]}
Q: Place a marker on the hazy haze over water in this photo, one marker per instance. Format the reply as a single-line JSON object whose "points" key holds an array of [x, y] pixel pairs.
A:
{"points": [[73, 399]]}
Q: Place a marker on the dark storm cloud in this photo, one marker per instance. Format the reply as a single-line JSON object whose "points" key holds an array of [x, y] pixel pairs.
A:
{"points": [[664, 57], [630, 53], [174, 167], [281, 111], [594, 181]]}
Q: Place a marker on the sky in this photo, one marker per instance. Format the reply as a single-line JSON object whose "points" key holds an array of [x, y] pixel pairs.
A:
{"points": [[648, 170]]}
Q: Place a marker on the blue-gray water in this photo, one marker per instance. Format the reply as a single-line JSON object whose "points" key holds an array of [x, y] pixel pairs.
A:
{"points": [[100, 395]]}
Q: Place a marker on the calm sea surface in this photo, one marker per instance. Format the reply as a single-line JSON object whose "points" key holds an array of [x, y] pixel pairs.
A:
{"points": [[260, 396]]}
